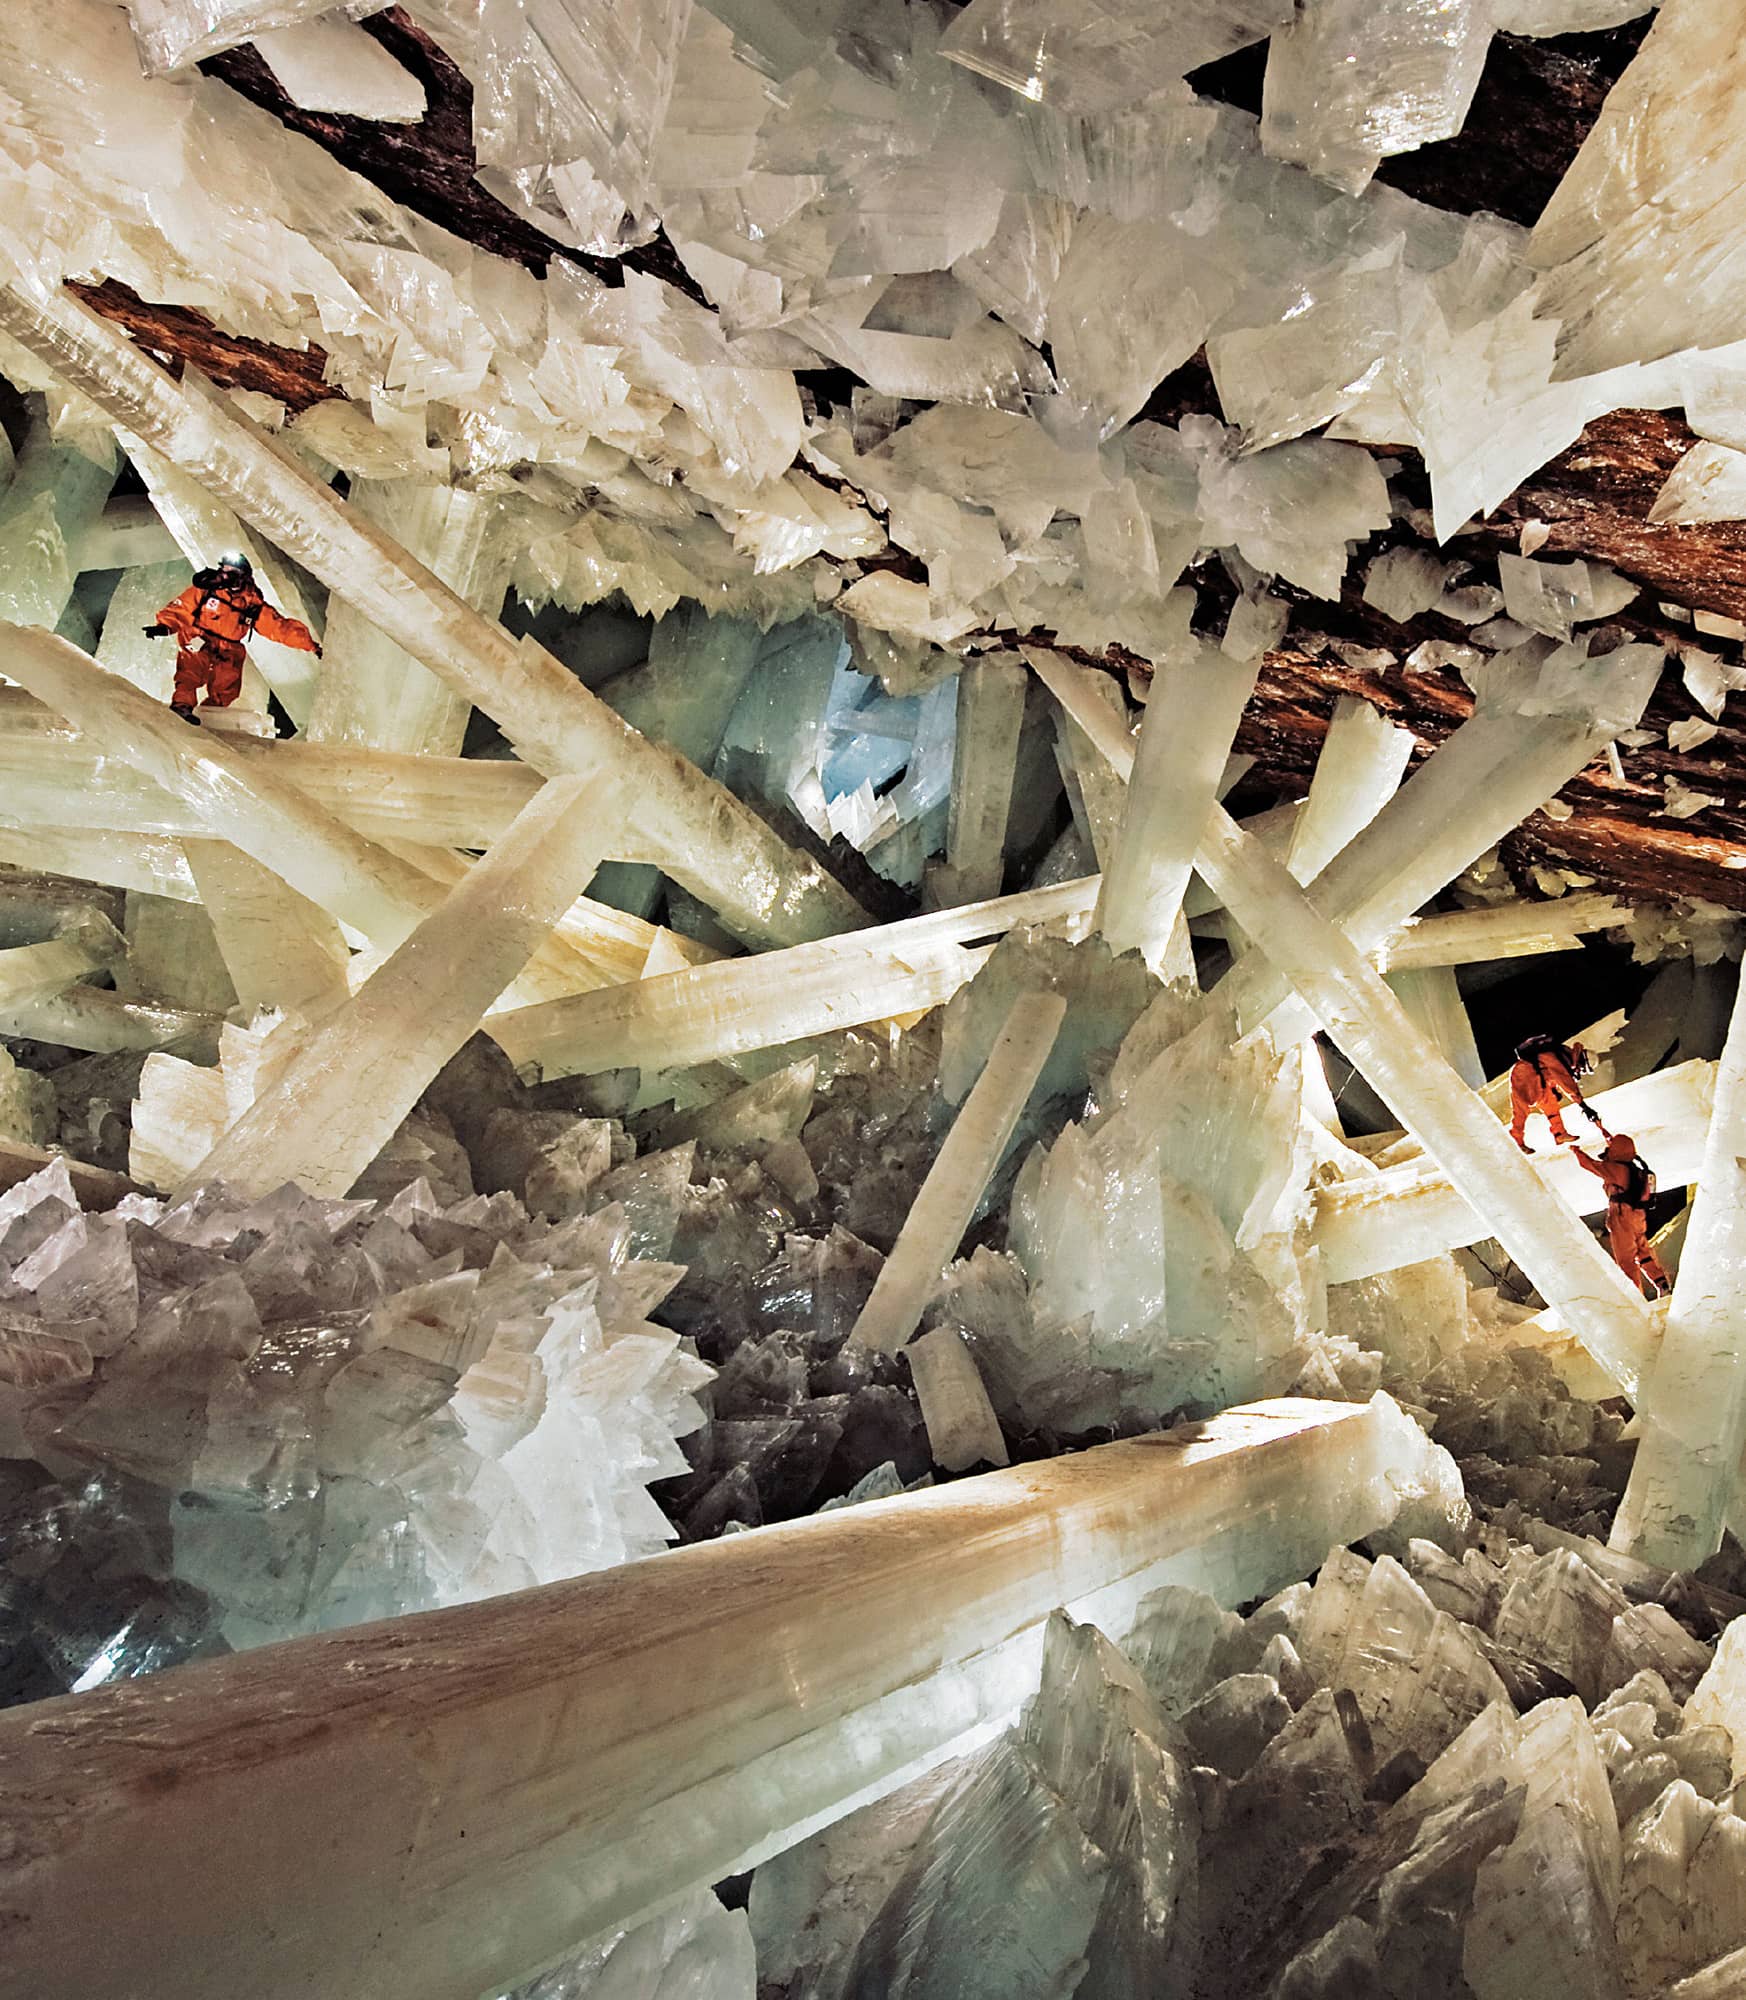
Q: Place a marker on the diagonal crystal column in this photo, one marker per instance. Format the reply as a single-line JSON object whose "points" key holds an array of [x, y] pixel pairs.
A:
{"points": [[1189, 725], [334, 1105], [1358, 770], [946, 1202], [240, 800], [1685, 1477], [435, 1807], [1526, 738], [991, 711], [703, 836], [1351, 998], [280, 949], [370, 691]]}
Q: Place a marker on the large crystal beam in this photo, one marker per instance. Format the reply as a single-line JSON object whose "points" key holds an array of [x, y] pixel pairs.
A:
{"points": [[439, 1806], [122, 860], [705, 838], [1350, 997], [946, 1202], [240, 800], [60, 780], [991, 712], [33, 972], [1506, 760], [280, 949], [1685, 1477], [103, 1023], [1358, 770], [1504, 930], [1410, 1212], [1189, 726], [740, 1004], [335, 1104], [371, 691]]}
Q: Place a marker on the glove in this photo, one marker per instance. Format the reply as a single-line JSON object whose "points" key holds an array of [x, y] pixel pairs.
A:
{"points": [[156, 631], [318, 652], [1592, 1115]]}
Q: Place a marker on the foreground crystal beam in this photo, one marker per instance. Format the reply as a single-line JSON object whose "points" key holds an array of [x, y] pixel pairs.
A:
{"points": [[1685, 1476], [704, 837], [335, 1104], [1351, 999], [1190, 722], [509, 1790], [280, 949], [360, 883], [739, 1004], [946, 1201], [1412, 1211]]}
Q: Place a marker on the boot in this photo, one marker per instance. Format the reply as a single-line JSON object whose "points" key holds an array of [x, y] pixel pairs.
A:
{"points": [[186, 713]]}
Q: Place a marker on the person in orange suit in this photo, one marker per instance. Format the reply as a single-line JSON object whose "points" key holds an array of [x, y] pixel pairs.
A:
{"points": [[212, 620], [1629, 1185], [1544, 1079]]}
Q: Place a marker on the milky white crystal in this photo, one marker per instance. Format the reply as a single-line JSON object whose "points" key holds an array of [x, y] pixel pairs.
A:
{"points": [[329, 64], [1351, 81]]}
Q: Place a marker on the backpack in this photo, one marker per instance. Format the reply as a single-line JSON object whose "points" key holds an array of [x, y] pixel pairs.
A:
{"points": [[1639, 1187], [1536, 1046]]}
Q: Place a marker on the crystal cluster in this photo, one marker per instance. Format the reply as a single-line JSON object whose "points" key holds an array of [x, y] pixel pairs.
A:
{"points": [[1496, 1775]]}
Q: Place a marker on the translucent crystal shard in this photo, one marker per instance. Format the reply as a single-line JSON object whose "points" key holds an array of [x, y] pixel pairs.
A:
{"points": [[1544, 1905], [701, 835], [328, 64], [567, 80], [56, 494], [947, 1200], [1196, 703], [962, 1428], [1090, 59], [1693, 1407], [1708, 484], [282, 952], [337, 1100], [175, 33], [1522, 743], [1656, 186], [1352, 81]]}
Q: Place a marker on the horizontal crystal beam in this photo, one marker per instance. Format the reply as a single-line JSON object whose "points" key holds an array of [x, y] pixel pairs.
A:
{"points": [[239, 799], [1504, 930], [1350, 997], [32, 972], [1408, 1213], [508, 1790], [704, 837], [945, 1204], [739, 1004], [335, 1104], [103, 1023]]}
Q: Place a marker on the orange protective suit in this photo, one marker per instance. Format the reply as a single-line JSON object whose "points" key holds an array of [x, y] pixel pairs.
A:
{"points": [[1543, 1084], [211, 623], [1627, 1220]]}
